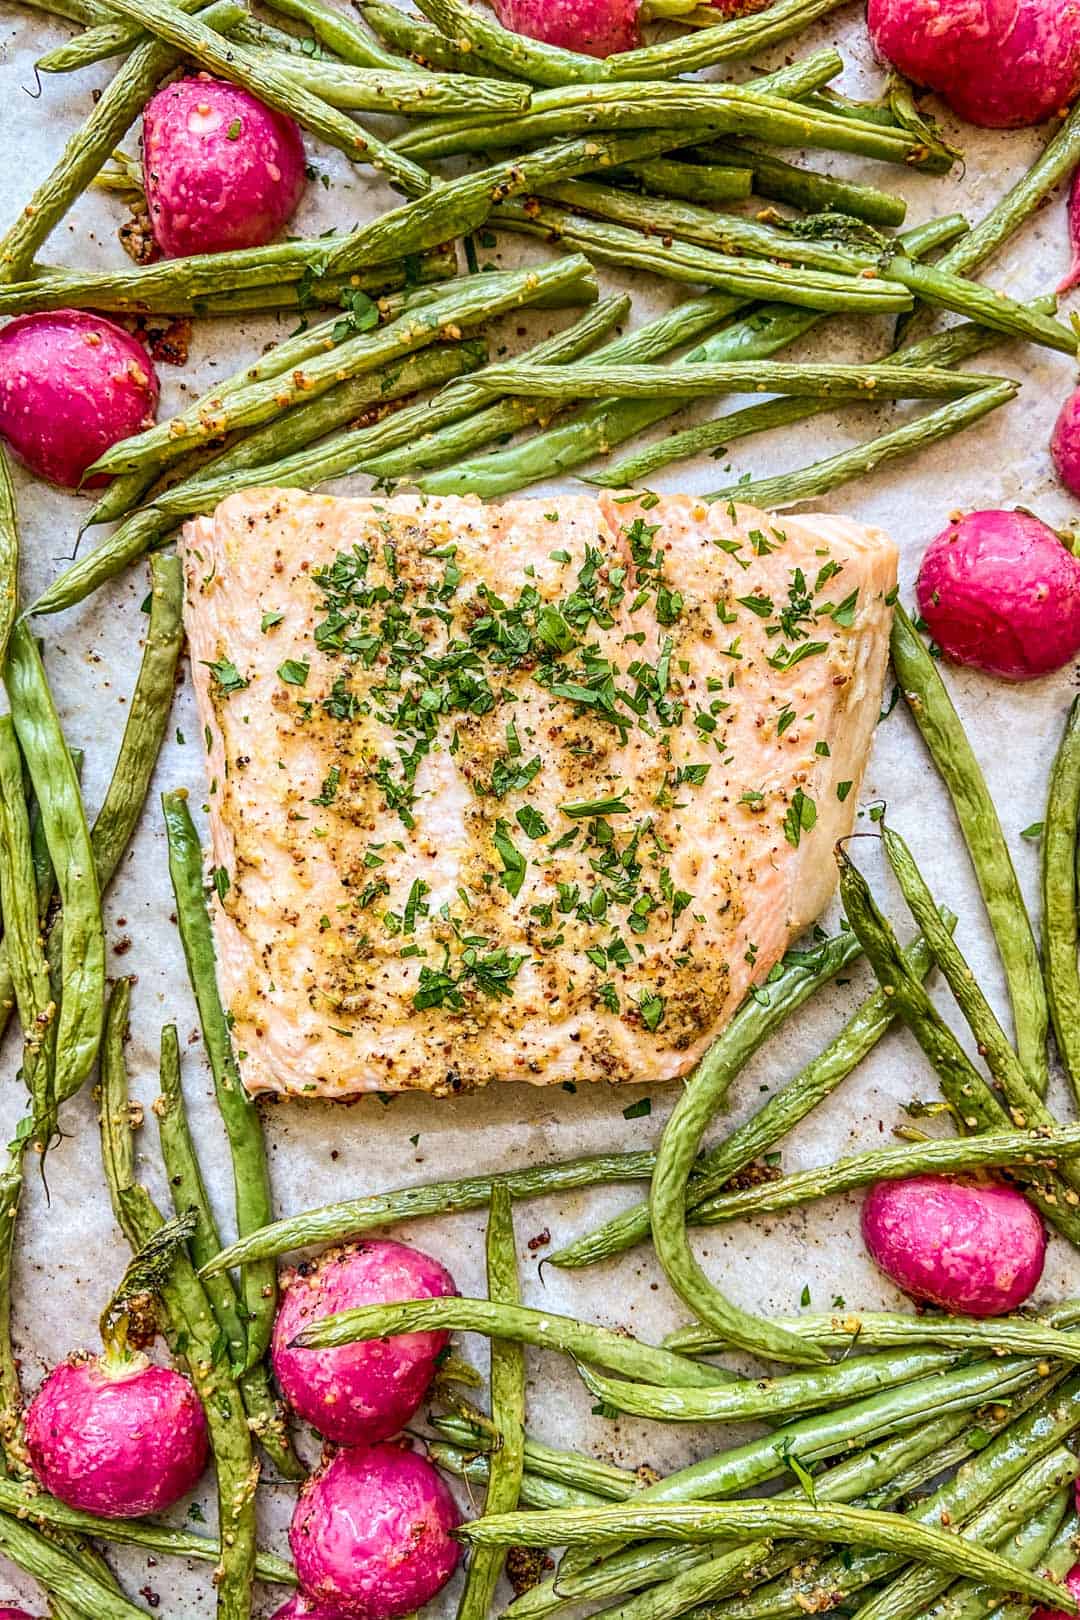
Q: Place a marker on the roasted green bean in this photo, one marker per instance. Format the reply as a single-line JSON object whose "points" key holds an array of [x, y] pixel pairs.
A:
{"points": [[1061, 929]]}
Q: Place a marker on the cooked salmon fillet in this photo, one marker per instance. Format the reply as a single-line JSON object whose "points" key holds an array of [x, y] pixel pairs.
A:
{"points": [[529, 792]]}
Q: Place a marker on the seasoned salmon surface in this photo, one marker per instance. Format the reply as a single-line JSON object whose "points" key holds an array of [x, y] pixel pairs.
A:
{"points": [[530, 792]]}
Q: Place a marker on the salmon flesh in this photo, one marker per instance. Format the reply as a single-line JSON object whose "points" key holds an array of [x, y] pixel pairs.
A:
{"points": [[535, 791]]}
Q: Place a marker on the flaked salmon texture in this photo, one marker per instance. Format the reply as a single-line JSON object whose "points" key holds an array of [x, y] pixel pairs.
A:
{"points": [[533, 792]]}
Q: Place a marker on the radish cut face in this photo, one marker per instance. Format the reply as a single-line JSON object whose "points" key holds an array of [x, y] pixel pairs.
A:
{"points": [[221, 169], [970, 1247], [1003, 64], [371, 1534]]}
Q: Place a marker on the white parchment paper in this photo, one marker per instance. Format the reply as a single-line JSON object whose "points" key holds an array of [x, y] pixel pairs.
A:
{"points": [[70, 1253]]}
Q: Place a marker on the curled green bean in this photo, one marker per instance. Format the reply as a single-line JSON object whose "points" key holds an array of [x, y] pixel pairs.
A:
{"points": [[674, 1163], [818, 1080]]}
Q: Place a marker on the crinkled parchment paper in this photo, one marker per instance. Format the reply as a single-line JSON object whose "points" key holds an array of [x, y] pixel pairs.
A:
{"points": [[70, 1253]]}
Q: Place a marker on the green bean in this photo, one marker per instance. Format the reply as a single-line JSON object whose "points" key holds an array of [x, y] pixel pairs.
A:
{"points": [[406, 95], [683, 261], [875, 1477], [78, 1027], [548, 64], [9, 556], [911, 1593], [807, 189], [351, 451], [572, 1469], [239, 1115], [516, 1323], [695, 1521], [335, 1222], [188, 1192], [933, 712], [1058, 1561], [596, 428], [36, 1506], [812, 1439], [678, 1148], [991, 1471], [844, 1329], [1061, 930], [270, 396], [297, 459], [62, 1575], [691, 382], [145, 529], [463, 204], [1056, 161], [125, 492], [947, 349], [770, 1399], [534, 1492], [148, 718], [693, 182], [339, 34], [264, 79], [681, 325], [701, 110], [822, 476], [1025, 1103], [802, 1094], [192, 1329], [726, 233], [888, 1164], [730, 234], [84, 12], [418, 40], [189, 286], [967, 1600], [507, 1462], [91, 146], [25, 957], [759, 1016]]}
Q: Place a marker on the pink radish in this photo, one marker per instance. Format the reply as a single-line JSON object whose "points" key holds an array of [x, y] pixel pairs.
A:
{"points": [[221, 169], [299, 1608], [968, 1247], [1003, 64], [362, 1392], [119, 1438], [1065, 443], [1001, 591], [597, 27], [1072, 1586], [8, 1613], [1074, 235], [71, 386], [371, 1534]]}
